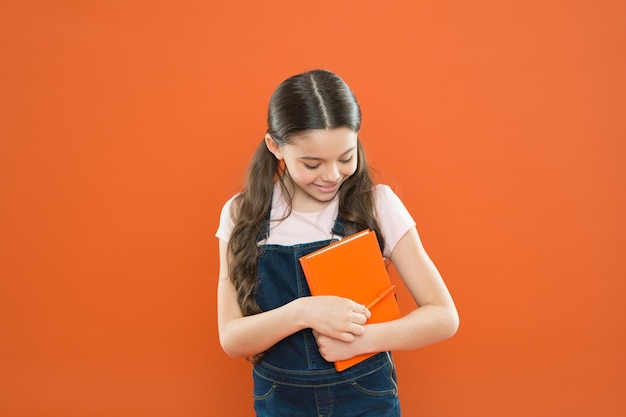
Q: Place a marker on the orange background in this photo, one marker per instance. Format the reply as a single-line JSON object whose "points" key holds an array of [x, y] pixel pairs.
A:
{"points": [[125, 125]]}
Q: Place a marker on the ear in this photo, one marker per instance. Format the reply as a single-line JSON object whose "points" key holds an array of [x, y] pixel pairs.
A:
{"points": [[273, 147]]}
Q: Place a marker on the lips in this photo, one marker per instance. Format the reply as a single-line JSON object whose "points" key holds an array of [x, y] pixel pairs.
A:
{"points": [[327, 188]]}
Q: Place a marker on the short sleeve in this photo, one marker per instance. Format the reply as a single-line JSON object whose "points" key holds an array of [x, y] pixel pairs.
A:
{"points": [[226, 225], [393, 217]]}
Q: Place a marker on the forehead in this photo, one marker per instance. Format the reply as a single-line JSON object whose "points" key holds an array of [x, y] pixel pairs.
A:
{"points": [[318, 142]]}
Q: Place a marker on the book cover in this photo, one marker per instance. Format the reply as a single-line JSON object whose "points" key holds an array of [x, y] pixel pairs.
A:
{"points": [[354, 268]]}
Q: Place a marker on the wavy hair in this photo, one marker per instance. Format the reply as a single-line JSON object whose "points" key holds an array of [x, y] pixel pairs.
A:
{"points": [[317, 99]]}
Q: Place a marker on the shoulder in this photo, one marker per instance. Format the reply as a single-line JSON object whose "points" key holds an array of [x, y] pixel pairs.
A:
{"points": [[226, 222], [227, 208], [383, 191], [385, 197]]}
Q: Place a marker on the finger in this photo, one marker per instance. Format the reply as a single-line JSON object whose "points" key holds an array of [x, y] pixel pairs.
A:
{"points": [[358, 318], [357, 329], [360, 308], [347, 337]]}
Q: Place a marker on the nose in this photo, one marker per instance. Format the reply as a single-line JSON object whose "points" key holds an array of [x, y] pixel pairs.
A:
{"points": [[331, 174]]}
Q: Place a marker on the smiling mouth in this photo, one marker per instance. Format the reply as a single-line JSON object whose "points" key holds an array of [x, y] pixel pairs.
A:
{"points": [[327, 188]]}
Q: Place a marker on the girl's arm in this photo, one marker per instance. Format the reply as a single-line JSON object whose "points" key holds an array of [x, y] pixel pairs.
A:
{"points": [[245, 336], [436, 318]]}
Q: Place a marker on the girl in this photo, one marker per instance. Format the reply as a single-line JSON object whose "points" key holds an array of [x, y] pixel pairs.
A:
{"points": [[308, 184]]}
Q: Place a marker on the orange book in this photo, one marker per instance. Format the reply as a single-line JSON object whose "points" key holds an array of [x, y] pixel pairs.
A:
{"points": [[353, 268]]}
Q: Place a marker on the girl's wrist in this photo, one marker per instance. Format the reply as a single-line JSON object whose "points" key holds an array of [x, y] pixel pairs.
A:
{"points": [[298, 310], [369, 341]]}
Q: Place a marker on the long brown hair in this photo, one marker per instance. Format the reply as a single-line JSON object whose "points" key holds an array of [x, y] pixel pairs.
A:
{"points": [[316, 99]]}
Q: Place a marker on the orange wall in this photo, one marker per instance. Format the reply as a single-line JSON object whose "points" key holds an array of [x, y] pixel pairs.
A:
{"points": [[125, 125]]}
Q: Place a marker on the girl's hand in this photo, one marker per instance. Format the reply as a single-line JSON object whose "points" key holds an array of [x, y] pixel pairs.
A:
{"points": [[333, 349], [336, 317]]}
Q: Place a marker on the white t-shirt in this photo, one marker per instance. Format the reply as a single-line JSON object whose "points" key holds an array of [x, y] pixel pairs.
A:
{"points": [[393, 218]]}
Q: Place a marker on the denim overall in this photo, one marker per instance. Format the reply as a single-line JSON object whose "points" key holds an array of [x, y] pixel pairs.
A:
{"points": [[293, 378]]}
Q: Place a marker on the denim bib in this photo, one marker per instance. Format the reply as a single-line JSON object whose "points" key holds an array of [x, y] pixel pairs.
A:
{"points": [[293, 379]]}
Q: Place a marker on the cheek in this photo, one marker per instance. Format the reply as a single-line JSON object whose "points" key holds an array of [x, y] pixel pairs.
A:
{"points": [[348, 169], [301, 174], [307, 176]]}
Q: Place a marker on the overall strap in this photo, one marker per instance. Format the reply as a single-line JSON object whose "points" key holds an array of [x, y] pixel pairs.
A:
{"points": [[338, 228]]}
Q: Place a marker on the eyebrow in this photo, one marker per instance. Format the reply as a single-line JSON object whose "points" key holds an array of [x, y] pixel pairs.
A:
{"points": [[315, 158]]}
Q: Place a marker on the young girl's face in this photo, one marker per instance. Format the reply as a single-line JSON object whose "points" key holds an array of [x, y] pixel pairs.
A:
{"points": [[318, 161]]}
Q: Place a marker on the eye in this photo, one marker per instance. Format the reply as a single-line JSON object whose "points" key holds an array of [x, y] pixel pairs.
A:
{"points": [[345, 161], [307, 166]]}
